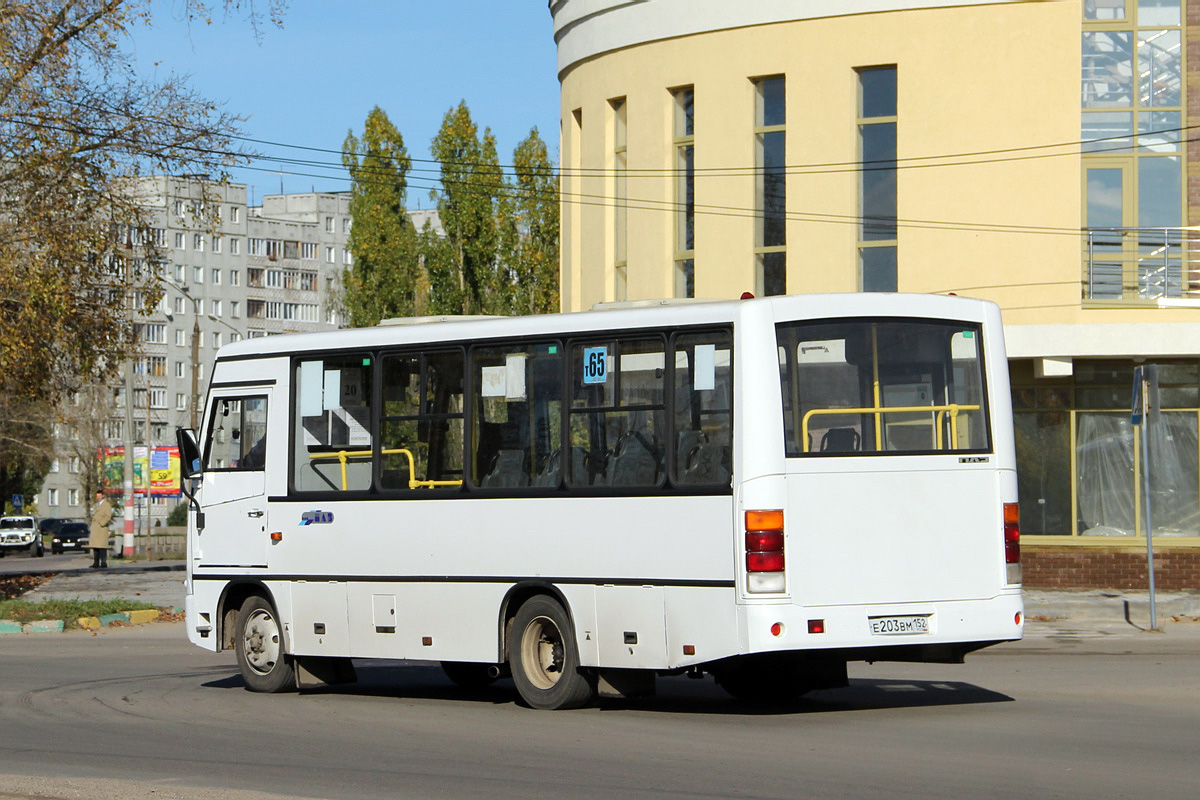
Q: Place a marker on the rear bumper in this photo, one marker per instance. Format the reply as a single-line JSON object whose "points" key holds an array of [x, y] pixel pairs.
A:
{"points": [[953, 628]]}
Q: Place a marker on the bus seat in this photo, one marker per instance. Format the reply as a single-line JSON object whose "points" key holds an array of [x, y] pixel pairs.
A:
{"points": [[704, 465], [509, 470], [634, 461], [840, 440], [686, 442]]}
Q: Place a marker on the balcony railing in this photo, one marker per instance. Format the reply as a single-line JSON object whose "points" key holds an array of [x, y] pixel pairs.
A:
{"points": [[1141, 264]]}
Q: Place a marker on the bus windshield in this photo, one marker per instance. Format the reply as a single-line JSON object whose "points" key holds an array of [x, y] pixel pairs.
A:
{"points": [[882, 386]]}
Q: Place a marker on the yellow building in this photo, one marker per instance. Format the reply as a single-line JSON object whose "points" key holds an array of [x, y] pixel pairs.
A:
{"points": [[1030, 152]]}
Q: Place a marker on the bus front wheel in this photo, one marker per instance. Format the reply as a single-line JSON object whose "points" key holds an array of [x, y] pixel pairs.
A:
{"points": [[259, 647], [544, 658]]}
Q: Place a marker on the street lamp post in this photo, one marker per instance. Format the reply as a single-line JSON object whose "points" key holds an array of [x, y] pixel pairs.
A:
{"points": [[195, 356]]}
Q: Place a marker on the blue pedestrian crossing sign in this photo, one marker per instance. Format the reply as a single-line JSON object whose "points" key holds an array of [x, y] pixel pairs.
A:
{"points": [[18, 501]]}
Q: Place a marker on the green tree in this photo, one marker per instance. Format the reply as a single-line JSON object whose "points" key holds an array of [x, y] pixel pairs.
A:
{"points": [[529, 242], [384, 280], [472, 181]]}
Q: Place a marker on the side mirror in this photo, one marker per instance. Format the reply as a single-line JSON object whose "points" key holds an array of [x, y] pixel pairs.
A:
{"points": [[189, 453]]}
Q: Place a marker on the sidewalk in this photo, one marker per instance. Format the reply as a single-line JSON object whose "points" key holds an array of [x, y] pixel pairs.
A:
{"points": [[159, 583], [1109, 606]]}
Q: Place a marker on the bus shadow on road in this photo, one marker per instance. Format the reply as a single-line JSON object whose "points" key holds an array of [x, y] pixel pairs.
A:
{"points": [[675, 695]]}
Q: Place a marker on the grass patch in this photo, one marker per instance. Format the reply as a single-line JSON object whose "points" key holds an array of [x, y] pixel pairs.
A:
{"points": [[68, 610]]}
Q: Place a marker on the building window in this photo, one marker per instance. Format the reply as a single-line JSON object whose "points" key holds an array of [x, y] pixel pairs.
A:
{"points": [[233, 308], [72, 497], [234, 278], [620, 195], [179, 337], [216, 339], [1132, 117], [347, 256], [216, 308], [235, 214], [235, 246], [158, 398], [329, 224], [215, 275], [685, 192], [181, 401], [346, 225], [216, 244], [179, 368], [76, 464], [198, 242], [329, 255], [178, 241], [770, 237], [54, 465], [877, 238], [156, 366], [52, 497], [308, 251], [154, 333]]}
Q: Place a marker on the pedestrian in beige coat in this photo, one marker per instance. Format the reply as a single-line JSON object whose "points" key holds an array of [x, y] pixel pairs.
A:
{"points": [[98, 531]]}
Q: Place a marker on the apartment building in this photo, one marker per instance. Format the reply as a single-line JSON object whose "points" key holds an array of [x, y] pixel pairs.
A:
{"points": [[228, 271]]}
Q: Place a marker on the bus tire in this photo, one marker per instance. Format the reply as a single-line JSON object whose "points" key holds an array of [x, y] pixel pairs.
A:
{"points": [[259, 646], [544, 658], [468, 674]]}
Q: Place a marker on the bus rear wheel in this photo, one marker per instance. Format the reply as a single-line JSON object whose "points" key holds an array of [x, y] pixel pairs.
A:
{"points": [[544, 658], [259, 647]]}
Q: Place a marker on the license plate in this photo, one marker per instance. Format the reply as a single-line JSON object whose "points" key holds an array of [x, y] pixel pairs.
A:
{"points": [[898, 626]]}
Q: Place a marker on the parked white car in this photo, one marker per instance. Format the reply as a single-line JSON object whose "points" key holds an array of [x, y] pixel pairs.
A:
{"points": [[21, 534]]}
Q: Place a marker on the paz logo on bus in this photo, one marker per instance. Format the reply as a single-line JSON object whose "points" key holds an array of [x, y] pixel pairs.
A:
{"points": [[316, 518]]}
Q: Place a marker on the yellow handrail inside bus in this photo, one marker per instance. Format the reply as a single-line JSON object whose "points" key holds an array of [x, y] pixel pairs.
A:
{"points": [[878, 412], [343, 455]]}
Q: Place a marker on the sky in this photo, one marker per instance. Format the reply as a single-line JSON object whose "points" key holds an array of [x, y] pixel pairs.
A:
{"points": [[310, 82]]}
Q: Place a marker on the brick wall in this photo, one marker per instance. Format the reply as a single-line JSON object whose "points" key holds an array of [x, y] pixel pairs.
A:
{"points": [[1109, 568]]}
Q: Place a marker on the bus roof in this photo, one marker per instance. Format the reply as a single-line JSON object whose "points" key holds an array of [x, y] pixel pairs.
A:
{"points": [[653, 315]]}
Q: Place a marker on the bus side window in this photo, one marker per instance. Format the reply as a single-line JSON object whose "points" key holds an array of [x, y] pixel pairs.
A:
{"points": [[518, 414], [703, 414], [237, 434], [331, 443], [421, 425], [618, 413]]}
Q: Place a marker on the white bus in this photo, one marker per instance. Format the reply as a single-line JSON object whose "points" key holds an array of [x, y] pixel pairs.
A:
{"points": [[759, 490]]}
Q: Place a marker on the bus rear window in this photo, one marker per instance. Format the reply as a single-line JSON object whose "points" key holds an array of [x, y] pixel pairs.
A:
{"points": [[882, 386]]}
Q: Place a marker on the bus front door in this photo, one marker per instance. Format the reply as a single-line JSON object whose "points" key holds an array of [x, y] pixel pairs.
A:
{"points": [[233, 496]]}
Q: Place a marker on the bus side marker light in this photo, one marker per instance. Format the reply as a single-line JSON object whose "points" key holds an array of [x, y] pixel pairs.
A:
{"points": [[777, 629], [689, 649], [427, 641], [816, 626], [1017, 618], [276, 536]]}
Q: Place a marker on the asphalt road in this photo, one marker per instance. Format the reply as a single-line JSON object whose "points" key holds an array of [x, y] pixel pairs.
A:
{"points": [[140, 713]]}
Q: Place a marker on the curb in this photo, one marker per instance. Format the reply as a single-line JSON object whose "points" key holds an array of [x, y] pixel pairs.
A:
{"points": [[139, 617]]}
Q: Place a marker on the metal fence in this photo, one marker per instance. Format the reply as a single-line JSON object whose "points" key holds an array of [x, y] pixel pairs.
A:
{"points": [[1141, 263]]}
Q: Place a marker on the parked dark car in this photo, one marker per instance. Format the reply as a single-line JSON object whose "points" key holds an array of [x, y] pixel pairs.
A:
{"points": [[50, 525], [70, 536]]}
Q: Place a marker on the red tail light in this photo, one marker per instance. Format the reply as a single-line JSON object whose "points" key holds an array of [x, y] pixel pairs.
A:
{"points": [[1012, 533], [764, 551]]}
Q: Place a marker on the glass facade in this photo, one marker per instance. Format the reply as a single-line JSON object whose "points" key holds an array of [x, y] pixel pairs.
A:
{"points": [[1132, 100], [1080, 468]]}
